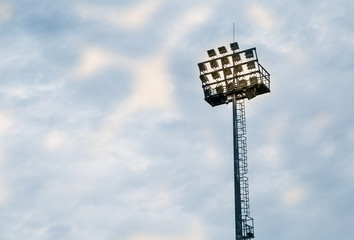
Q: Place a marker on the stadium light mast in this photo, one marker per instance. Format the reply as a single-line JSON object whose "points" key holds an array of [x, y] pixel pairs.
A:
{"points": [[233, 76]]}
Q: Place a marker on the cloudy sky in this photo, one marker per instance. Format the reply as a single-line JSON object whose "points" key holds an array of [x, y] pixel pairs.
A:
{"points": [[105, 134]]}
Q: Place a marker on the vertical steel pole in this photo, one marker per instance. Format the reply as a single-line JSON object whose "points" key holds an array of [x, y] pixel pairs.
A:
{"points": [[238, 217]]}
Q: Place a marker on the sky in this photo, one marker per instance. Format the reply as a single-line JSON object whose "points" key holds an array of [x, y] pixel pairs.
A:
{"points": [[105, 134]]}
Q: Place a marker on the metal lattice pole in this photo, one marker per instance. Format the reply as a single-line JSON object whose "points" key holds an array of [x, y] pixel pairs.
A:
{"points": [[243, 221], [238, 216]]}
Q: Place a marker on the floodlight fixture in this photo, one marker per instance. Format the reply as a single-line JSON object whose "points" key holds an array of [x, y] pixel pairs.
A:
{"points": [[214, 64], [204, 78], [250, 94], [202, 67], [211, 53], [251, 65], [234, 46], [253, 80], [238, 68], [207, 91], [243, 78], [230, 86], [220, 89], [249, 53], [236, 57], [242, 83], [227, 72], [222, 50], [215, 75], [225, 61]]}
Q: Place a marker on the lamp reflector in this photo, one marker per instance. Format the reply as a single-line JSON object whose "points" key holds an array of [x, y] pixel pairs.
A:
{"points": [[204, 78], [236, 57], [214, 64], [249, 54], [238, 68], [227, 72], [216, 75], [251, 65], [234, 46], [250, 94], [211, 53], [222, 50], [207, 91], [220, 89], [225, 61], [254, 80], [230, 86], [202, 67], [242, 83]]}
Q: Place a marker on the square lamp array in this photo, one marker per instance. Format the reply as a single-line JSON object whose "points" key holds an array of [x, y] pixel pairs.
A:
{"points": [[235, 72]]}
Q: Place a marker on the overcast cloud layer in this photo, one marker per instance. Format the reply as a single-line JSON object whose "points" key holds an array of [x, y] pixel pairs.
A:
{"points": [[105, 134]]}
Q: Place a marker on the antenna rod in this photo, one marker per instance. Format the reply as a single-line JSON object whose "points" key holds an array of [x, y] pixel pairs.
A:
{"points": [[233, 32]]}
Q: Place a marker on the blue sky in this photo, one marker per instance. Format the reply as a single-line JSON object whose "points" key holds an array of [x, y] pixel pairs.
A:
{"points": [[105, 134]]}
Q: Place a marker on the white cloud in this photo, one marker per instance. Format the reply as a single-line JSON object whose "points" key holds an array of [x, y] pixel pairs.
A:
{"points": [[326, 150], [316, 126], [152, 85], [270, 32], [25, 91], [7, 120], [278, 127], [6, 11], [296, 54], [152, 91], [4, 192], [295, 195], [92, 61], [212, 155], [116, 158], [56, 140], [131, 18], [195, 232], [270, 156], [262, 17], [192, 18]]}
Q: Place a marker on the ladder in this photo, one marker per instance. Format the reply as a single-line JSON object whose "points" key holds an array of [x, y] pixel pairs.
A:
{"points": [[247, 221]]}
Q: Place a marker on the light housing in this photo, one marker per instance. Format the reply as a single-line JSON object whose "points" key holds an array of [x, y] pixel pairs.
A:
{"points": [[251, 65], [230, 86], [236, 57], [222, 50], [215, 75], [214, 64], [249, 54], [242, 83], [234, 46], [253, 80], [227, 72], [202, 67], [211, 53], [220, 89], [204, 79], [232, 73], [238, 69], [250, 94], [207, 92], [225, 61]]}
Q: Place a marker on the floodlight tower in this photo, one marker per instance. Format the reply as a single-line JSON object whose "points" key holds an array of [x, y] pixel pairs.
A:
{"points": [[232, 77]]}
